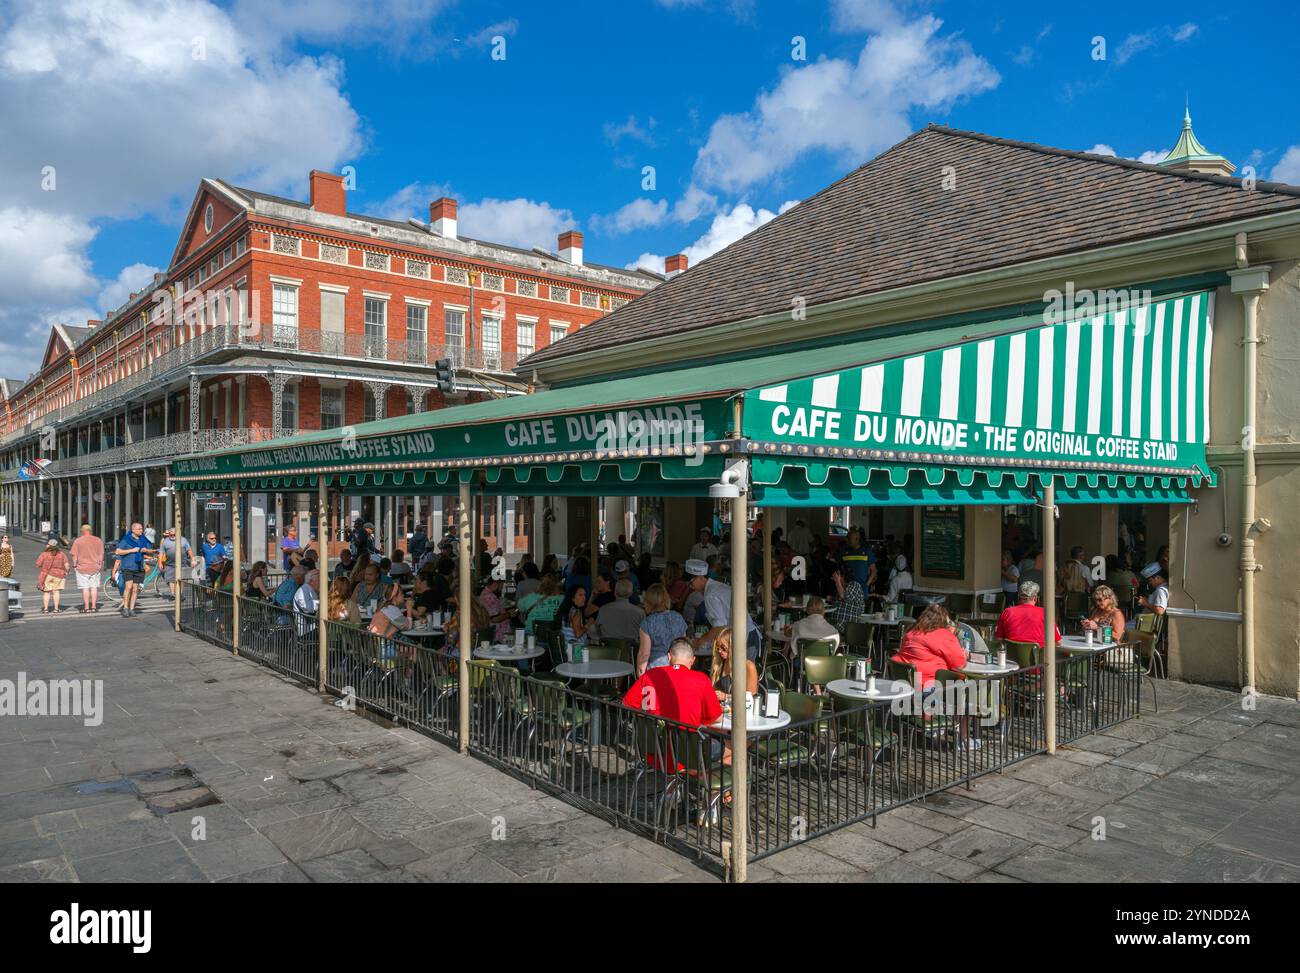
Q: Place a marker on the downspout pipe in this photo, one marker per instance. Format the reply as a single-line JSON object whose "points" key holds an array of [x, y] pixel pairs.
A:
{"points": [[1250, 282]]}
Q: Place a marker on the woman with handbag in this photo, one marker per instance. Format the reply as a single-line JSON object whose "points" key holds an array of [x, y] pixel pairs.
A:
{"points": [[52, 570]]}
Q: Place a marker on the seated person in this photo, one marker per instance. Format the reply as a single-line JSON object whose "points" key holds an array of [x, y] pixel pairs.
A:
{"points": [[545, 604], [931, 644], [620, 619], [424, 600], [1157, 599], [900, 580], [677, 692], [574, 621], [1105, 611], [398, 569], [813, 625], [721, 670], [1025, 621]]}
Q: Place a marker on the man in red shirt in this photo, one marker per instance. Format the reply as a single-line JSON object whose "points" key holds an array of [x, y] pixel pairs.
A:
{"points": [[678, 692], [1026, 620]]}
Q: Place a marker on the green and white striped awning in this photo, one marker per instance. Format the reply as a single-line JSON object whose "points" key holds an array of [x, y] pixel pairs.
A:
{"points": [[1116, 401]]}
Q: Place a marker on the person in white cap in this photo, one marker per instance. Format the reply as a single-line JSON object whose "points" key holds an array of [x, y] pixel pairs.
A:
{"points": [[900, 580], [1157, 599], [716, 608], [623, 572]]}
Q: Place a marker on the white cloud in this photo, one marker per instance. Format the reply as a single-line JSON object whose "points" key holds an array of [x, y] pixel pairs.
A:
{"points": [[130, 280], [644, 213], [1288, 167], [518, 222], [1185, 32], [43, 256], [1150, 157], [412, 200], [404, 25], [632, 129], [727, 227], [851, 109], [108, 115], [1134, 44]]}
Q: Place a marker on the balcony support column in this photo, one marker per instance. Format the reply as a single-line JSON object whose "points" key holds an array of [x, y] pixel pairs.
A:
{"points": [[277, 383]]}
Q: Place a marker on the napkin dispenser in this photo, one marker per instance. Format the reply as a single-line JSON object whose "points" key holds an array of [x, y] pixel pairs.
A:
{"points": [[771, 704]]}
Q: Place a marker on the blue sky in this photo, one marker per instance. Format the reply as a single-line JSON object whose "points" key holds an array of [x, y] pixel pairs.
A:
{"points": [[131, 103]]}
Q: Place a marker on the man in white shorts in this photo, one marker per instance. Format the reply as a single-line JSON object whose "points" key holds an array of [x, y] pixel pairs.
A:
{"points": [[87, 555]]}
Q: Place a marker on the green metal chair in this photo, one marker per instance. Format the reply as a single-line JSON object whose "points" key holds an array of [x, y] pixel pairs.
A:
{"points": [[804, 648], [819, 670], [1074, 608], [855, 728], [704, 779]]}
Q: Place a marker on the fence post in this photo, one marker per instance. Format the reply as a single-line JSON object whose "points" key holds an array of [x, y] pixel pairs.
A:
{"points": [[177, 551], [235, 588], [1049, 614], [323, 564], [464, 610]]}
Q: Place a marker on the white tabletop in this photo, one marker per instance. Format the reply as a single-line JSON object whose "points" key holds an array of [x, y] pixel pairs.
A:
{"points": [[421, 632], [506, 653], [755, 724], [886, 689], [595, 669], [879, 618], [990, 668], [1079, 643], [778, 635]]}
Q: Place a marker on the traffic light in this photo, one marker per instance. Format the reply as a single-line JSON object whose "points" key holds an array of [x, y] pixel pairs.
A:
{"points": [[444, 373]]}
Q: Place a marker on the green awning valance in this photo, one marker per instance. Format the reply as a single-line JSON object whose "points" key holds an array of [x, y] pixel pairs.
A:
{"points": [[1120, 393]]}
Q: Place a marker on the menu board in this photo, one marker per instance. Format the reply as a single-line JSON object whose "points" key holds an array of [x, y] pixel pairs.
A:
{"points": [[943, 542]]}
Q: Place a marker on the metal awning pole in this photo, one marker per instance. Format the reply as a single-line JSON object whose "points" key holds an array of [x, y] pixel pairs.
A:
{"points": [[322, 585], [235, 588], [767, 573], [179, 545], [739, 656], [464, 611], [1049, 614]]}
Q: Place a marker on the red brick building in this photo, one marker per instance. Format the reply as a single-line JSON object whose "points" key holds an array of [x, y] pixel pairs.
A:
{"points": [[276, 315]]}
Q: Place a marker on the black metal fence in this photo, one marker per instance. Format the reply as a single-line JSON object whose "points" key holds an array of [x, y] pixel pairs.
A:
{"points": [[837, 762]]}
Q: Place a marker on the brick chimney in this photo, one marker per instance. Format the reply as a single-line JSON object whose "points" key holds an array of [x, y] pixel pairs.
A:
{"points": [[571, 247], [327, 193], [675, 264], [442, 217]]}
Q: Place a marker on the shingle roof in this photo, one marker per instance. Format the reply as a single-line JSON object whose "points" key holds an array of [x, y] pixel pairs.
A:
{"points": [[890, 223]]}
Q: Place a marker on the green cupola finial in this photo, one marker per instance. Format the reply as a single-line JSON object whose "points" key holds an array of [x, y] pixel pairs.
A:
{"points": [[1189, 155]]}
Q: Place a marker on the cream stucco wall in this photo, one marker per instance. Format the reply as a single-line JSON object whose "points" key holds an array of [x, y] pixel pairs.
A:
{"points": [[1205, 651]]}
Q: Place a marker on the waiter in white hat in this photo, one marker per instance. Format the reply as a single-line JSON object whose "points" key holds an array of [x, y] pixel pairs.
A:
{"points": [[716, 609]]}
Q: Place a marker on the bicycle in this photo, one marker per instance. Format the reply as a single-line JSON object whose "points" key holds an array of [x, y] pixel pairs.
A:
{"points": [[109, 593]]}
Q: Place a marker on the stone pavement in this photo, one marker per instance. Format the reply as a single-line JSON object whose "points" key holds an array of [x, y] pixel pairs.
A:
{"points": [[292, 788]]}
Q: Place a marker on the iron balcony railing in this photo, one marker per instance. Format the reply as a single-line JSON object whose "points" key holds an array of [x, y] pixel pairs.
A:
{"points": [[257, 337], [161, 448]]}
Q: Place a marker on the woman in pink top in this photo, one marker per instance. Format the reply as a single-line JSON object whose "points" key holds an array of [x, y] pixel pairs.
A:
{"points": [[931, 645]]}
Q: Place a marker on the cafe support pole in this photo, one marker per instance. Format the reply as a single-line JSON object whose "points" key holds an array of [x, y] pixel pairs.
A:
{"points": [[235, 587], [323, 587], [465, 632], [739, 680], [1049, 614], [767, 573]]}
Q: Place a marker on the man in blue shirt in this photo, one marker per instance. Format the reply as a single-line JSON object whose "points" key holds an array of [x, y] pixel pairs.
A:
{"points": [[858, 561], [289, 587], [289, 545], [214, 556], [131, 549]]}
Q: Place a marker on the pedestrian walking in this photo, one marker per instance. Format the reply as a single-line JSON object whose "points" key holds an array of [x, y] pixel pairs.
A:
{"points": [[169, 558], [131, 549], [88, 563], [6, 557], [52, 573]]}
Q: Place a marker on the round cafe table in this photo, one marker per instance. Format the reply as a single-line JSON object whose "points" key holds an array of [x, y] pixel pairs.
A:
{"points": [[594, 669], [422, 632], [886, 689], [990, 668], [1078, 644], [508, 653], [753, 724]]}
